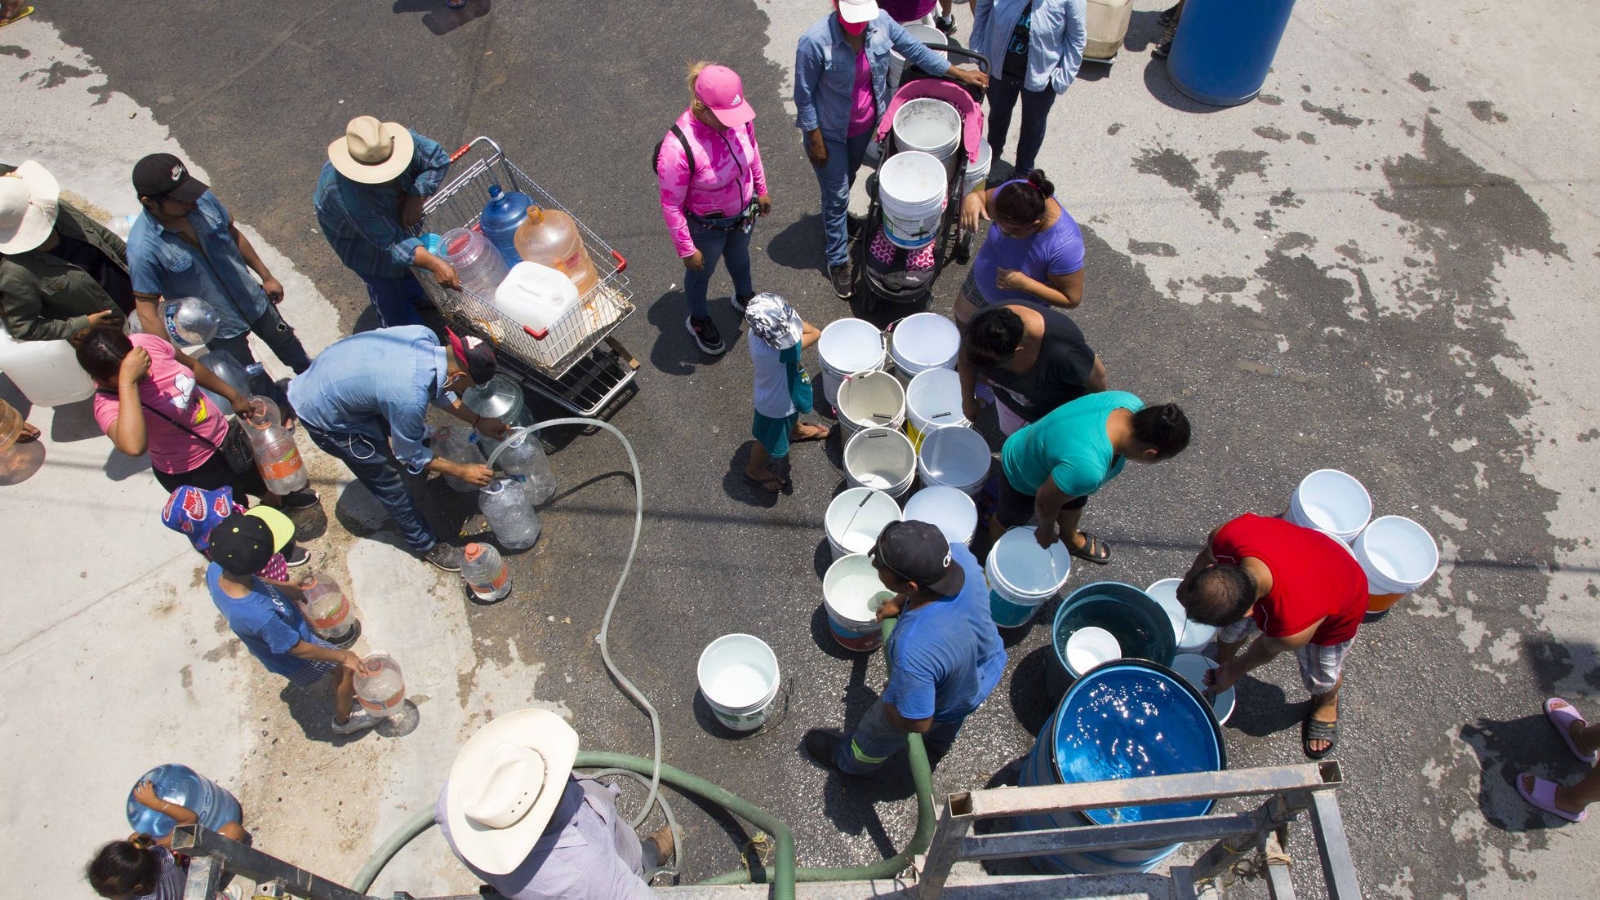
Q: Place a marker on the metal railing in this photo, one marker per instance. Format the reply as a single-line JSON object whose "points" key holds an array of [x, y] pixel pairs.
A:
{"points": [[209, 853]]}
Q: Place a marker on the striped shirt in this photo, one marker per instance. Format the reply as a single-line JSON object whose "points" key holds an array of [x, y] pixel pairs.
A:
{"points": [[362, 221], [169, 884]]}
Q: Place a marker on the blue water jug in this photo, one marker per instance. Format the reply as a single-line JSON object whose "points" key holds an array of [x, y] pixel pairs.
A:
{"points": [[501, 216], [173, 783]]}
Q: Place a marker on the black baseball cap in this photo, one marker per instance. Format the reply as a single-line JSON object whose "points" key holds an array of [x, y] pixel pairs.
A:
{"points": [[243, 542], [165, 175], [919, 552], [475, 355]]}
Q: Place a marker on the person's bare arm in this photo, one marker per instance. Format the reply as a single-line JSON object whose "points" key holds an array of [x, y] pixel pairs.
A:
{"points": [[1260, 651], [1063, 291], [209, 380], [127, 430], [1204, 558], [968, 370], [1047, 504], [1097, 378], [147, 308], [808, 335]]}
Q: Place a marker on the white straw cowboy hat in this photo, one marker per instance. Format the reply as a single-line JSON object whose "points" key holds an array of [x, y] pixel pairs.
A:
{"points": [[372, 152], [28, 207], [505, 785]]}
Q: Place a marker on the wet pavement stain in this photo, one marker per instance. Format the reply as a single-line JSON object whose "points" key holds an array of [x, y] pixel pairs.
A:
{"points": [[1271, 134], [1230, 164], [1484, 111], [1220, 284], [1264, 221], [1113, 128], [1306, 137], [1421, 82], [1331, 115], [58, 73], [1153, 248], [18, 52], [1180, 172], [1270, 99], [1286, 199]]}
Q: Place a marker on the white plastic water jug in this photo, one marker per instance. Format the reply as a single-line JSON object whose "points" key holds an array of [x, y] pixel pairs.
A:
{"points": [[46, 372], [536, 296]]}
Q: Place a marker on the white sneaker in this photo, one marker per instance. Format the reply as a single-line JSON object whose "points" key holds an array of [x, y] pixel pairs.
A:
{"points": [[359, 720]]}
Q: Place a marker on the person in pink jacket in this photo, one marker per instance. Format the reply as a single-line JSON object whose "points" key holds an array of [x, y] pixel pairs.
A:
{"points": [[712, 189]]}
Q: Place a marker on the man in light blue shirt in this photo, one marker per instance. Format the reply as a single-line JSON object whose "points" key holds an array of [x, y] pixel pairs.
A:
{"points": [[368, 198], [1034, 49], [185, 244], [365, 400], [841, 89]]}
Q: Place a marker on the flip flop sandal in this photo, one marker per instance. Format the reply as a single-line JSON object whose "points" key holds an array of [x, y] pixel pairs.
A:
{"points": [[1317, 730], [1562, 717], [1090, 545], [1543, 796], [766, 484], [826, 431], [22, 13]]}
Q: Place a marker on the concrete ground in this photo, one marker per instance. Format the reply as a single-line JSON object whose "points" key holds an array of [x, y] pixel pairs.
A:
{"points": [[1377, 266]]}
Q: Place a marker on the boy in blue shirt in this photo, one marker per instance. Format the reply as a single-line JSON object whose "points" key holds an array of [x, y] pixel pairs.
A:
{"points": [[263, 615], [944, 656]]}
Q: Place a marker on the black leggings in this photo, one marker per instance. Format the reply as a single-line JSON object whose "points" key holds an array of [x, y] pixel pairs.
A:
{"points": [[1016, 508], [215, 473]]}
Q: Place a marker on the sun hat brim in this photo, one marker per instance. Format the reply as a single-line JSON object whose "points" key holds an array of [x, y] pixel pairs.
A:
{"points": [[44, 205], [388, 170], [499, 851]]}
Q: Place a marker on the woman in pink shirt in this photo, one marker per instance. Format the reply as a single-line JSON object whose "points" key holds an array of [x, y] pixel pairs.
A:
{"points": [[712, 188], [149, 399]]}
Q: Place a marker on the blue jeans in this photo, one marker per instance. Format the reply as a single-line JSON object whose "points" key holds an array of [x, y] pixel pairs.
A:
{"points": [[1003, 94], [875, 740], [396, 299], [380, 474], [275, 333], [836, 178], [714, 244]]}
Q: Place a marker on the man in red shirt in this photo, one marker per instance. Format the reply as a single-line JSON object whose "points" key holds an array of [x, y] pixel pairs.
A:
{"points": [[1301, 588]]}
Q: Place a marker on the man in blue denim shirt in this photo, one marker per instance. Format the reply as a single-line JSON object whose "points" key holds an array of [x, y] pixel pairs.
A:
{"points": [[840, 90], [185, 244], [365, 401], [368, 198]]}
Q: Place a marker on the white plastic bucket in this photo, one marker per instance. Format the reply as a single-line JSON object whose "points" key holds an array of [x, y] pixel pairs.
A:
{"points": [[922, 342], [1193, 667], [1332, 501], [954, 457], [1023, 575], [946, 508], [1398, 556], [1190, 635], [856, 517], [933, 400], [871, 399], [978, 172], [912, 188], [848, 346], [851, 594], [738, 675], [927, 34], [928, 125], [882, 459]]}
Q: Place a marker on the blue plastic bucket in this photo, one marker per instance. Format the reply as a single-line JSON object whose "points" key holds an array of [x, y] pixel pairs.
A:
{"points": [[1091, 738], [183, 786]]}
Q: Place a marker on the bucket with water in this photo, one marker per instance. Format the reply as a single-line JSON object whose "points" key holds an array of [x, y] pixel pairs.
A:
{"points": [[977, 176], [954, 457], [947, 509], [848, 346], [856, 517], [1091, 738], [933, 400], [928, 125], [921, 342], [738, 674], [912, 189], [1023, 576], [852, 593], [871, 399], [1191, 635], [1332, 501], [882, 459], [1140, 625], [1398, 556]]}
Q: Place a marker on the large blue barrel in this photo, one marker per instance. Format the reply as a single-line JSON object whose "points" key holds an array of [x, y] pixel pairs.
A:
{"points": [[173, 783], [1224, 48], [1142, 628], [1129, 719]]}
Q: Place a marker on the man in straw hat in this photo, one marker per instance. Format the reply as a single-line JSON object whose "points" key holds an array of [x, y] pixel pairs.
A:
{"points": [[368, 199], [60, 271], [515, 815]]}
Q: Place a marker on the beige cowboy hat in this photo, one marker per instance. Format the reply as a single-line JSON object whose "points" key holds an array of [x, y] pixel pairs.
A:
{"points": [[28, 207], [505, 785], [372, 152]]}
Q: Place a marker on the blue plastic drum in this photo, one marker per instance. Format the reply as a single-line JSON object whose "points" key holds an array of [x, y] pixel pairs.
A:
{"points": [[1224, 48], [1129, 719], [173, 783]]}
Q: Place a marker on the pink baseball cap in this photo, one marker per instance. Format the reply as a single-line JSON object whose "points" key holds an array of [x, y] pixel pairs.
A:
{"points": [[720, 89]]}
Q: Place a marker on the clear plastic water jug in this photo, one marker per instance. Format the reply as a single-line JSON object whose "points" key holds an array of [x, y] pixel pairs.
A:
{"points": [[478, 264], [485, 572], [277, 457], [264, 409], [184, 787], [380, 686], [189, 321], [505, 505], [551, 238], [328, 610], [18, 462], [499, 398], [459, 445], [524, 459], [501, 215], [224, 366]]}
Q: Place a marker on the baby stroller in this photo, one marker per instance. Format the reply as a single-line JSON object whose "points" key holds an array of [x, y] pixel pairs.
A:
{"points": [[896, 265]]}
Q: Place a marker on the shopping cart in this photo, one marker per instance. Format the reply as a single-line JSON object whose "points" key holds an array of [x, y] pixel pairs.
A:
{"points": [[575, 362]]}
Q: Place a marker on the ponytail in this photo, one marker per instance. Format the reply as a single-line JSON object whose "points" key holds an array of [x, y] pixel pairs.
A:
{"points": [[1022, 202], [100, 350], [1164, 428]]}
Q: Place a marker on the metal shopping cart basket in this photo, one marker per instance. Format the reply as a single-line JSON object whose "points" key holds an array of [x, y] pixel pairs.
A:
{"points": [[576, 362]]}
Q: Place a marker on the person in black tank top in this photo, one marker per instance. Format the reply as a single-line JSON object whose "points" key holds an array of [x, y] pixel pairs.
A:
{"points": [[1036, 358]]}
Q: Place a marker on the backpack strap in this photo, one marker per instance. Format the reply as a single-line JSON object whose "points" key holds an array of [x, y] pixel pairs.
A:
{"points": [[688, 153]]}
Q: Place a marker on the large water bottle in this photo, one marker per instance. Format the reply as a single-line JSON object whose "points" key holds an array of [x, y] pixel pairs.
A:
{"points": [[485, 573], [189, 321], [380, 686], [505, 504], [459, 445], [499, 398], [224, 366], [328, 610], [478, 263], [181, 785], [524, 459], [265, 409], [551, 238], [277, 457], [504, 212]]}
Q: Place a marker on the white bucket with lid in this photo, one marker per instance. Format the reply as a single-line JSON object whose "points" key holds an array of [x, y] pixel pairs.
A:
{"points": [[954, 457], [926, 34], [738, 674], [933, 400], [882, 459], [856, 517], [978, 172], [913, 191], [1398, 556], [871, 399], [1332, 501], [1191, 636], [921, 342], [1022, 576], [852, 594], [848, 346], [946, 508]]}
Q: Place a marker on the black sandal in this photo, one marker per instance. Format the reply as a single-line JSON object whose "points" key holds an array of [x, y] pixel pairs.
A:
{"points": [[1090, 545], [1312, 729]]}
